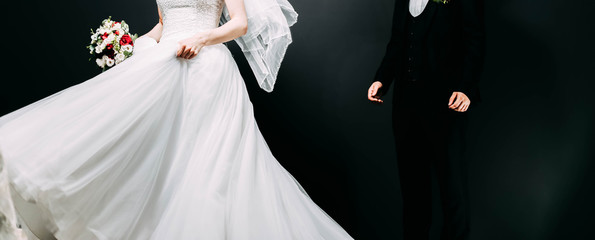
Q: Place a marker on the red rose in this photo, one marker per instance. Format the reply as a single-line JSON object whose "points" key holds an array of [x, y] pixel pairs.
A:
{"points": [[125, 40], [104, 36], [117, 32], [110, 53], [109, 46]]}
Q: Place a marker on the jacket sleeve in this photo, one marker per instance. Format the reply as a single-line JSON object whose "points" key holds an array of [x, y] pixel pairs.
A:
{"points": [[473, 47], [387, 70]]}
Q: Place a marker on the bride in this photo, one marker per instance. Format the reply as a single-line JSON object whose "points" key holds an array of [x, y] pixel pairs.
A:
{"points": [[165, 145]]}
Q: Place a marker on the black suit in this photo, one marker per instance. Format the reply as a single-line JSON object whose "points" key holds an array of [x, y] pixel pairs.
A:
{"points": [[429, 57]]}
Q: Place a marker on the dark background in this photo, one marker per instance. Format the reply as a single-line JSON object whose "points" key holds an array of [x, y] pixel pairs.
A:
{"points": [[531, 139]]}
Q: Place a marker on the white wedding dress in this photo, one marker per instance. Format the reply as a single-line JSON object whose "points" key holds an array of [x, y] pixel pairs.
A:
{"points": [[158, 147]]}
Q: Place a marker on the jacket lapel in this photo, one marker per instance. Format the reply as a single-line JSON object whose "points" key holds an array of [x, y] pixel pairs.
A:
{"points": [[429, 13], [404, 13]]}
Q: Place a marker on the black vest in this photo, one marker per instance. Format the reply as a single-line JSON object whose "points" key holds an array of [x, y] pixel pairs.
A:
{"points": [[414, 28]]}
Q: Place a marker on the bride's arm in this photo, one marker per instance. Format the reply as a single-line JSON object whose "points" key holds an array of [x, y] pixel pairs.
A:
{"points": [[155, 33], [236, 27]]}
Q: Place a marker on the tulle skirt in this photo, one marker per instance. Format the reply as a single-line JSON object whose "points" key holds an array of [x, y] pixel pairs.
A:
{"points": [[158, 147]]}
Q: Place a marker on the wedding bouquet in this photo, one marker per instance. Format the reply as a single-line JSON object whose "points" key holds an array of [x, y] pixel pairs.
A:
{"points": [[111, 43]]}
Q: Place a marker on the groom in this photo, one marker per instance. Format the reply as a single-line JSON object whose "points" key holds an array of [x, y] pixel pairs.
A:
{"points": [[434, 57]]}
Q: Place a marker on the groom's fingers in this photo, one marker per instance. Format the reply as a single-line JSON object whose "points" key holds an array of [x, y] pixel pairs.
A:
{"points": [[452, 99], [372, 95], [467, 106], [374, 91], [457, 103], [463, 106]]}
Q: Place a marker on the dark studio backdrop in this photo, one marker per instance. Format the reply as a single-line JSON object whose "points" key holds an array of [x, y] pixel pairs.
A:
{"points": [[531, 140]]}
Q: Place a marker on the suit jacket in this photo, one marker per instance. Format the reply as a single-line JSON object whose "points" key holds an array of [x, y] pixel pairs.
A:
{"points": [[453, 49]]}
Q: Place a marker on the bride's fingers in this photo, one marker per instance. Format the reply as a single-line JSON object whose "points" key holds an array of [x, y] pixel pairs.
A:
{"points": [[187, 53], [195, 52], [192, 52], [183, 52], [180, 50]]}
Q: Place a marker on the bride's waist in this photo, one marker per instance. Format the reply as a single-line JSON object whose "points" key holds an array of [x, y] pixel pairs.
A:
{"points": [[179, 33], [179, 27]]}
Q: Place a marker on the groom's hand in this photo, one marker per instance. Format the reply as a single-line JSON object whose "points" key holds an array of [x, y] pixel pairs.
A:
{"points": [[459, 102], [374, 91]]}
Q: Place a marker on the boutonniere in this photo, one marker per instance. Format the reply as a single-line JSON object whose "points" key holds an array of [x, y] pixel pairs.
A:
{"points": [[442, 1]]}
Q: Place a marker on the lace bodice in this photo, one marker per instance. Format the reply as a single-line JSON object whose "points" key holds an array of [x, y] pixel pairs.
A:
{"points": [[264, 44], [182, 18]]}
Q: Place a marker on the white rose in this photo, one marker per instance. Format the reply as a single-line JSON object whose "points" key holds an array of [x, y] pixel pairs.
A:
{"points": [[100, 62], [110, 62], [120, 57], [117, 26], [127, 48], [110, 38], [99, 48]]}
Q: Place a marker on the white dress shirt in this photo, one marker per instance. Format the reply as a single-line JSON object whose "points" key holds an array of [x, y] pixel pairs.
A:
{"points": [[416, 7]]}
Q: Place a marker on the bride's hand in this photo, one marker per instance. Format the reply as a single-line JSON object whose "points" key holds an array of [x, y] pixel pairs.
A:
{"points": [[190, 47]]}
